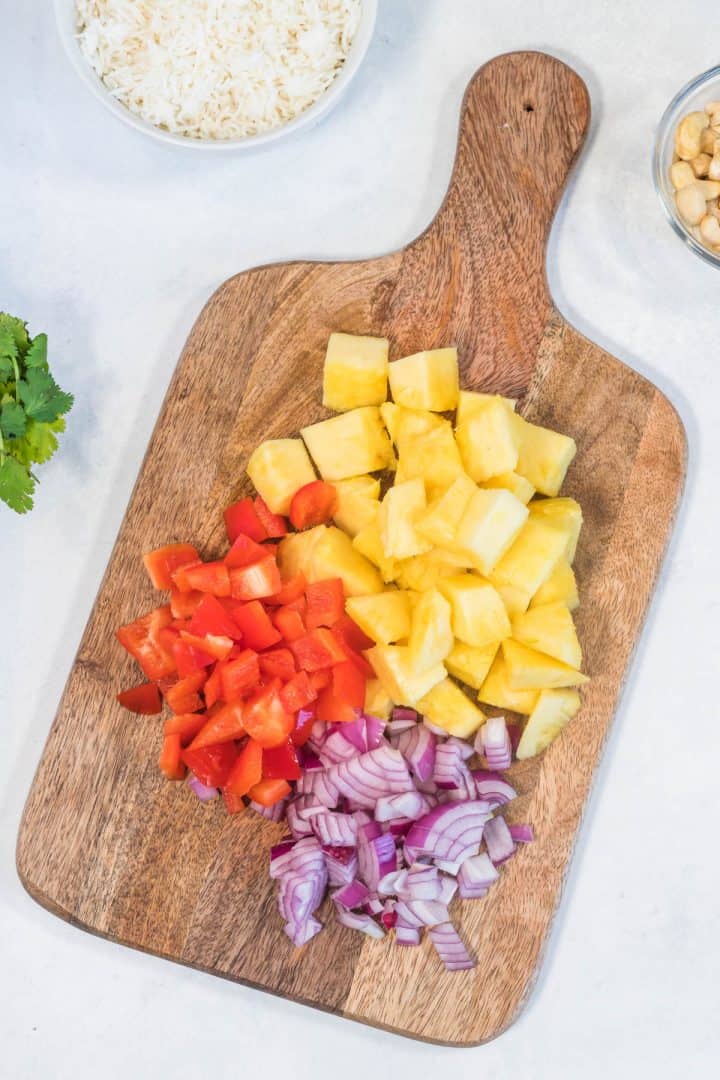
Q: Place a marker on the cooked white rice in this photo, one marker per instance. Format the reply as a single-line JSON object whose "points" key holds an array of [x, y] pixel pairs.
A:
{"points": [[217, 69]]}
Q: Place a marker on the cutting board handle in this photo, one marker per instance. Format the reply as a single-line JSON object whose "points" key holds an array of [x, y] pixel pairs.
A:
{"points": [[524, 118]]}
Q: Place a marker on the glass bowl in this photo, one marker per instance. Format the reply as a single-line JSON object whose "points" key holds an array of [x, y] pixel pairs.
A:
{"points": [[693, 97]]}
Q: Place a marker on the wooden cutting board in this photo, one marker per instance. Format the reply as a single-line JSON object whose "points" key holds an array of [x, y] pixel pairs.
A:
{"points": [[109, 845]]}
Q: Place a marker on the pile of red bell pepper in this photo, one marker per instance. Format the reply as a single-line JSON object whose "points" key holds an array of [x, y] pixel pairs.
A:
{"points": [[245, 661]]}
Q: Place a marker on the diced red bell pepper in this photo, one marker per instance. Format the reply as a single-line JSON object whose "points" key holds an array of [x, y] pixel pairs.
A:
{"points": [[170, 762], [318, 649], [186, 725], [313, 504], [360, 663], [210, 577], [274, 524], [281, 763], [213, 687], [325, 603], [340, 702], [239, 675], [242, 517], [252, 619], [210, 617], [247, 770], [298, 692], [256, 581], [356, 639], [189, 660], [265, 718], [211, 764], [217, 647], [278, 664], [143, 699], [164, 561], [289, 623], [269, 792], [299, 604], [304, 721], [227, 724], [183, 605], [234, 804], [244, 551], [184, 696], [320, 679], [291, 590], [142, 640]]}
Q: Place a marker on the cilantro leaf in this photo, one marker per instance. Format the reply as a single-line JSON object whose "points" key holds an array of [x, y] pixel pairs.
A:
{"points": [[17, 329], [42, 397], [16, 486], [12, 420], [8, 353], [40, 442], [36, 356]]}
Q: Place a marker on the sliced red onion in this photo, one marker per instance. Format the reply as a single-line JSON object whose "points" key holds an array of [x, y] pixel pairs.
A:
{"points": [[336, 748], [303, 880], [298, 825], [363, 818], [376, 857], [420, 883], [476, 876], [308, 806], [395, 727], [450, 947], [418, 746], [353, 895], [401, 826], [522, 834], [427, 787], [203, 792], [281, 857], [465, 749], [448, 888], [408, 804], [406, 935], [498, 841], [275, 813], [359, 921], [465, 791], [365, 733], [389, 915], [387, 885], [421, 912], [447, 772], [447, 866], [301, 933], [402, 712], [366, 778], [452, 832], [491, 787], [342, 864], [319, 784], [335, 830], [374, 905], [496, 743], [309, 759]]}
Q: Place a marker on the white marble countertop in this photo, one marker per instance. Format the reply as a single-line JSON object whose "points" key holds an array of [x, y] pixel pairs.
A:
{"points": [[112, 244]]}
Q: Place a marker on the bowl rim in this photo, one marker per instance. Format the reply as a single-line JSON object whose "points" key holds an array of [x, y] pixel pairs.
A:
{"points": [[65, 12], [659, 178]]}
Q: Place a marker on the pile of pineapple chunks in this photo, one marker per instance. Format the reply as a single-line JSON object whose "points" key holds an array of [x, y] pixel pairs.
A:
{"points": [[461, 572]]}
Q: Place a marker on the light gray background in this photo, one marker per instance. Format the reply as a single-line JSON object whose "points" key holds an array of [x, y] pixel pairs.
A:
{"points": [[112, 244]]}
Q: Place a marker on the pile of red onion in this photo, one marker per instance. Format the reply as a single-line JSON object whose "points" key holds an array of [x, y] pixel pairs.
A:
{"points": [[391, 818]]}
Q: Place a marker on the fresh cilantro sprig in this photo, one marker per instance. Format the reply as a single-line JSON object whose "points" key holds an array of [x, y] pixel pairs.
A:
{"points": [[32, 409]]}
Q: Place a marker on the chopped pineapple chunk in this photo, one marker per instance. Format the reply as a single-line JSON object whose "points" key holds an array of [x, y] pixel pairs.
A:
{"points": [[278, 468], [521, 488], [491, 521], [478, 613], [377, 701], [564, 514], [552, 712], [402, 504], [544, 455], [432, 457], [440, 522], [560, 588], [531, 559], [471, 664], [449, 708], [471, 402], [349, 445], [393, 667], [384, 617], [333, 556], [389, 412], [528, 669], [355, 372], [295, 551], [423, 572], [515, 599], [358, 503], [410, 423], [431, 637], [487, 441], [496, 690], [369, 543], [426, 380], [549, 629]]}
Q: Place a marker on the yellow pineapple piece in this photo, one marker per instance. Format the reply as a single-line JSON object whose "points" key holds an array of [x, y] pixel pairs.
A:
{"points": [[295, 551], [402, 504], [521, 488], [426, 380], [410, 423], [491, 521], [478, 613], [278, 468], [349, 445], [564, 514], [448, 707], [358, 503], [393, 667], [389, 412], [431, 637], [544, 455], [423, 572], [333, 556], [560, 588], [549, 629], [531, 558], [496, 690], [377, 701], [528, 669], [554, 709], [487, 441], [515, 599], [369, 543], [440, 522], [432, 457], [471, 402], [355, 372], [385, 616], [471, 664]]}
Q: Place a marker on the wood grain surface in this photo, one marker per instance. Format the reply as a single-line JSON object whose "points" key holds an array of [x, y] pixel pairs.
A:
{"points": [[109, 845]]}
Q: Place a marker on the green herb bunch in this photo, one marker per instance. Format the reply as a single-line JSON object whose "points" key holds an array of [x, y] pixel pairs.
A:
{"points": [[32, 407]]}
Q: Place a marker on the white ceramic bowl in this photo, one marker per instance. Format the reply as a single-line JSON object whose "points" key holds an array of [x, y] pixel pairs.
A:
{"points": [[66, 21]]}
